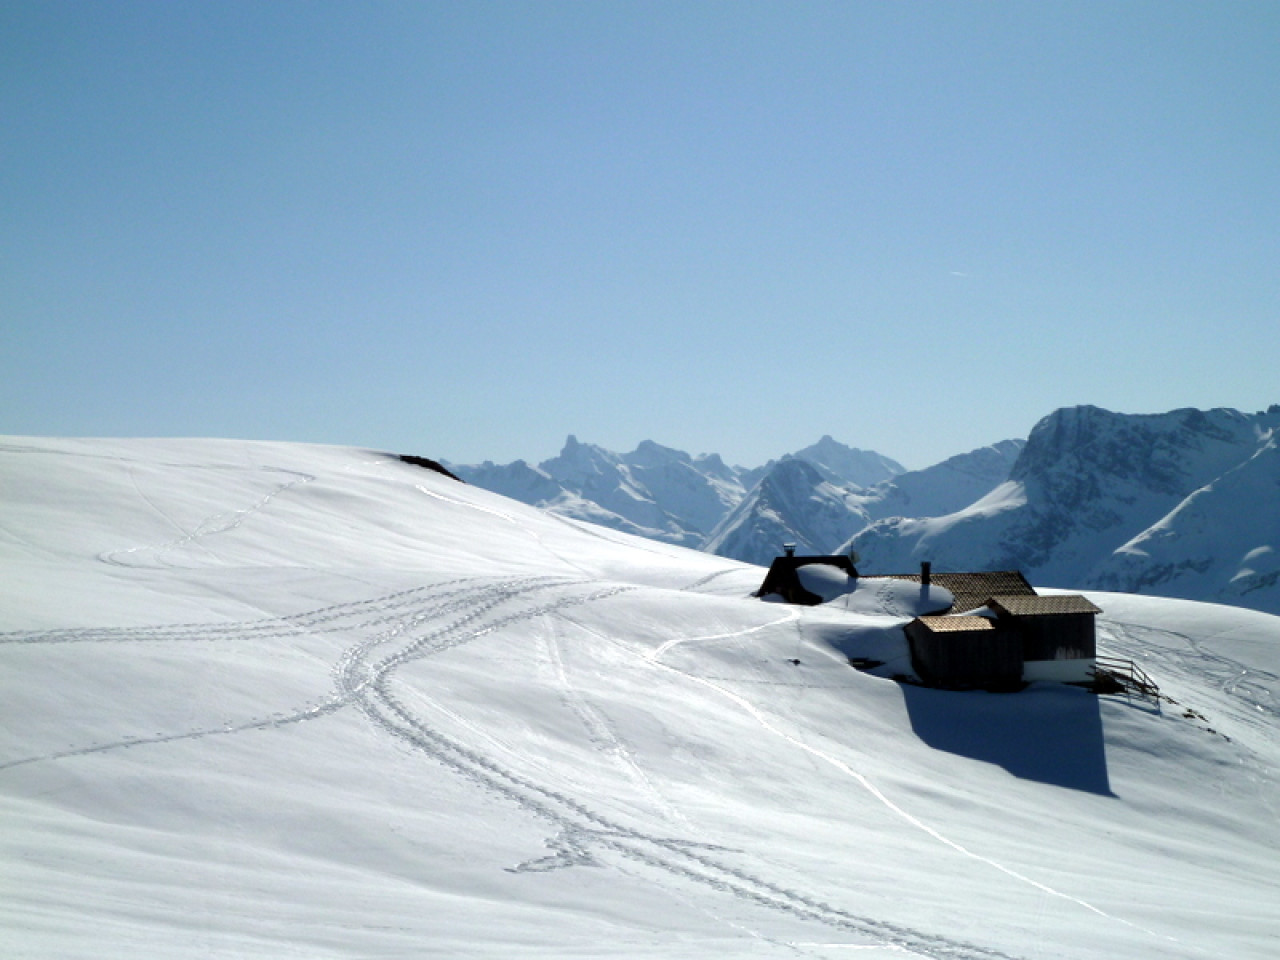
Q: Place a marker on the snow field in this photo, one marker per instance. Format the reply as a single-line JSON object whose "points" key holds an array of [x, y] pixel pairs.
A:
{"points": [[282, 700]]}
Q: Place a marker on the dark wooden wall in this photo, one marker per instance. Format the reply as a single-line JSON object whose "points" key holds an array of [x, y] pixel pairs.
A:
{"points": [[981, 658], [1063, 636]]}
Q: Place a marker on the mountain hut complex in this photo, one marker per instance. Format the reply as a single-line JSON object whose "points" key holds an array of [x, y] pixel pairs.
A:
{"points": [[998, 633]]}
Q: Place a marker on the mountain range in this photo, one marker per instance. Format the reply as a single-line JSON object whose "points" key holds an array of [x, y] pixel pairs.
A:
{"points": [[1182, 504], [816, 497]]}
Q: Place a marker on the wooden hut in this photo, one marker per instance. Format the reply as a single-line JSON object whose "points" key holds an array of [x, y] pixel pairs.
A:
{"points": [[1030, 638], [783, 580], [961, 652], [1059, 638]]}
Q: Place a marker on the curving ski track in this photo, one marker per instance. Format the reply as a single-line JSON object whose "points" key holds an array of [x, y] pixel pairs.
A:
{"points": [[456, 613], [581, 833]]}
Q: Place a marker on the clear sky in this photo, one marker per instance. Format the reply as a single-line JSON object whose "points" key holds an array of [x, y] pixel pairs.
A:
{"points": [[467, 229]]}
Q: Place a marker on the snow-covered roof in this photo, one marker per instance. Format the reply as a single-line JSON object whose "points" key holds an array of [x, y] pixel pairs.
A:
{"points": [[971, 590]]}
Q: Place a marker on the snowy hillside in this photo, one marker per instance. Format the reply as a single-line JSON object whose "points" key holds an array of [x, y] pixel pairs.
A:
{"points": [[272, 700], [947, 486], [1183, 504]]}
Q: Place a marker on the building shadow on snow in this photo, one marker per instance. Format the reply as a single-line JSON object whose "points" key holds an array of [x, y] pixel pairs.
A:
{"points": [[1050, 733]]}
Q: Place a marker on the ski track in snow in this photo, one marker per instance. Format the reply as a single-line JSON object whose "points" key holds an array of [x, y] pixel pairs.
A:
{"points": [[1259, 689], [703, 581], [396, 612], [657, 653], [582, 834], [891, 805], [603, 736], [218, 523], [870, 787], [460, 612]]}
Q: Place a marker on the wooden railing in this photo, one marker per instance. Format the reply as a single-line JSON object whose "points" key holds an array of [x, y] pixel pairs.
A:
{"points": [[1123, 676]]}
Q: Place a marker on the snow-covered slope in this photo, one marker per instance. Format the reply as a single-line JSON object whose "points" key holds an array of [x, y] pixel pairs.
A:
{"points": [[947, 486], [270, 700], [1113, 501], [848, 465], [792, 503], [1222, 542], [820, 515]]}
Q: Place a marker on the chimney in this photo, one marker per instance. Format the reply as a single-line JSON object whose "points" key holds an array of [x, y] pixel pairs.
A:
{"points": [[790, 549], [926, 569]]}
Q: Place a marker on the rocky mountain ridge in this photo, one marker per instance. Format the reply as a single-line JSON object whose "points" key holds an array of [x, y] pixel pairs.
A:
{"points": [[1185, 503], [816, 497]]}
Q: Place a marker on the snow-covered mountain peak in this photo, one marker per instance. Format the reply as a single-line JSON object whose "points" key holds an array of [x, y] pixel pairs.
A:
{"points": [[650, 454], [1163, 453], [578, 460], [1169, 503], [843, 464], [713, 466], [792, 503]]}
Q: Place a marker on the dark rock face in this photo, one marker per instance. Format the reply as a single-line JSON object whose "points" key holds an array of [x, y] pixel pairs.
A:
{"points": [[429, 464]]}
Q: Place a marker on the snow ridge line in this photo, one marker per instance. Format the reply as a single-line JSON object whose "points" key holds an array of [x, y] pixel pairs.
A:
{"points": [[579, 828], [463, 503]]}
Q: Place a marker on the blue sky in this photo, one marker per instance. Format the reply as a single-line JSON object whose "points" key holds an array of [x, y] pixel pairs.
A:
{"points": [[465, 230]]}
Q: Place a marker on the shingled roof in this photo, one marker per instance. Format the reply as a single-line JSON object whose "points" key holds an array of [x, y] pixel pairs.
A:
{"points": [[1024, 606], [956, 624]]}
